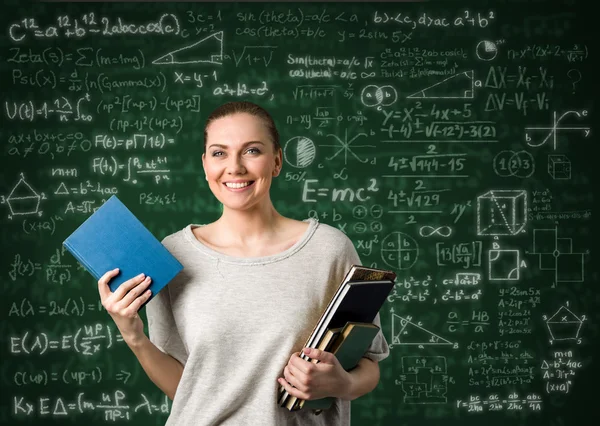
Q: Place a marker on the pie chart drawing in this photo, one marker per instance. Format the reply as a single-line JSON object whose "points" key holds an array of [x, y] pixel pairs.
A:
{"points": [[299, 152], [486, 50]]}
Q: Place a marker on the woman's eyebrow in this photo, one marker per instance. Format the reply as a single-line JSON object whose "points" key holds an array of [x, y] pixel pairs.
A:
{"points": [[225, 146]]}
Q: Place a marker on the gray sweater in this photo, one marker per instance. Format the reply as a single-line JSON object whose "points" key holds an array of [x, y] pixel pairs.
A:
{"points": [[234, 323]]}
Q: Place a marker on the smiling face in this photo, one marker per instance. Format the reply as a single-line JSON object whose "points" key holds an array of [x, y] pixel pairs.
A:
{"points": [[240, 160]]}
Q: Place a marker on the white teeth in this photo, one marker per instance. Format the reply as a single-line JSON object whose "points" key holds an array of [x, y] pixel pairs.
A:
{"points": [[237, 185]]}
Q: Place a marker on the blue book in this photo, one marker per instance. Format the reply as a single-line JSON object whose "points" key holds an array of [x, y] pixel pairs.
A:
{"points": [[112, 237]]}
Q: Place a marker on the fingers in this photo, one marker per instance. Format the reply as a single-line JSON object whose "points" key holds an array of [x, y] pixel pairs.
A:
{"points": [[134, 307], [315, 354], [128, 297], [289, 388], [296, 378], [293, 385], [140, 289], [103, 288], [306, 367], [128, 285]]}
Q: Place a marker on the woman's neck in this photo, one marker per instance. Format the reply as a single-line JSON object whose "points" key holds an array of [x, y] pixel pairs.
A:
{"points": [[248, 227]]}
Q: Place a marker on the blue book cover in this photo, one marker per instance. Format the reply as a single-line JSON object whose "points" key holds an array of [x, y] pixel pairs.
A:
{"points": [[112, 237]]}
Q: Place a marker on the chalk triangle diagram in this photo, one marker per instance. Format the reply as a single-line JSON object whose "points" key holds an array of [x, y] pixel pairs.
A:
{"points": [[459, 86], [61, 190], [207, 50], [413, 334], [22, 190]]}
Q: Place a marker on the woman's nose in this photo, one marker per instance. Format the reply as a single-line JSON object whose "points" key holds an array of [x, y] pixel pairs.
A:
{"points": [[236, 165]]}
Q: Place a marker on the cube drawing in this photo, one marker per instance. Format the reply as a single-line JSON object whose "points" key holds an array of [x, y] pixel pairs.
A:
{"points": [[501, 212], [559, 166]]}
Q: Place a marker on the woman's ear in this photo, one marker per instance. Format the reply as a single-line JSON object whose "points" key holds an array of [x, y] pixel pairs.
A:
{"points": [[278, 163], [204, 168]]}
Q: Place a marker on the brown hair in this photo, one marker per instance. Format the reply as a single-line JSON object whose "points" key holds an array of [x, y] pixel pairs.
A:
{"points": [[236, 107]]}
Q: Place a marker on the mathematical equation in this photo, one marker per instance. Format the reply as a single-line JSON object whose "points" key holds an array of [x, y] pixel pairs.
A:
{"points": [[113, 406], [87, 340], [493, 402]]}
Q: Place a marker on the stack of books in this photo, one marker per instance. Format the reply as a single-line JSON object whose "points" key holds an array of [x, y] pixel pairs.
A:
{"points": [[346, 326]]}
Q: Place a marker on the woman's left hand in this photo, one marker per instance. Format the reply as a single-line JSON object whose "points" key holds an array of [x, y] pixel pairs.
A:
{"points": [[307, 380]]}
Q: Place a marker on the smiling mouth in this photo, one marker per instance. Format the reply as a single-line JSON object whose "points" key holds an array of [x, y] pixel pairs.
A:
{"points": [[239, 185]]}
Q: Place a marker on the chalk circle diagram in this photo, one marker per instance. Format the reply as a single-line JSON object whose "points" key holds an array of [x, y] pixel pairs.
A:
{"points": [[299, 152], [519, 164], [399, 250], [378, 96], [208, 50], [459, 86], [486, 50]]}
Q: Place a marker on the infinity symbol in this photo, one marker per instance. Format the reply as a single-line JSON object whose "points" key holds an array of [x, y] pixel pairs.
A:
{"points": [[443, 231]]}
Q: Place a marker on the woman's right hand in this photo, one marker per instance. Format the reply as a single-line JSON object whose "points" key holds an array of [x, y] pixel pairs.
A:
{"points": [[124, 303]]}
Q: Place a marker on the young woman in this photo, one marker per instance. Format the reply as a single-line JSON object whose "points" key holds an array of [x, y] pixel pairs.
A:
{"points": [[229, 329]]}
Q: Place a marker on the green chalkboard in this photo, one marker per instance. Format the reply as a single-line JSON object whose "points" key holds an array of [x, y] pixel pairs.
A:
{"points": [[449, 140]]}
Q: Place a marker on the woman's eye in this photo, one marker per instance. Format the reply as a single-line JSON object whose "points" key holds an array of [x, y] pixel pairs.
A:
{"points": [[250, 150]]}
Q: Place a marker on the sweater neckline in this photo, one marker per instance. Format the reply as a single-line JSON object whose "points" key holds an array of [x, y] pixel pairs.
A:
{"points": [[308, 233]]}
